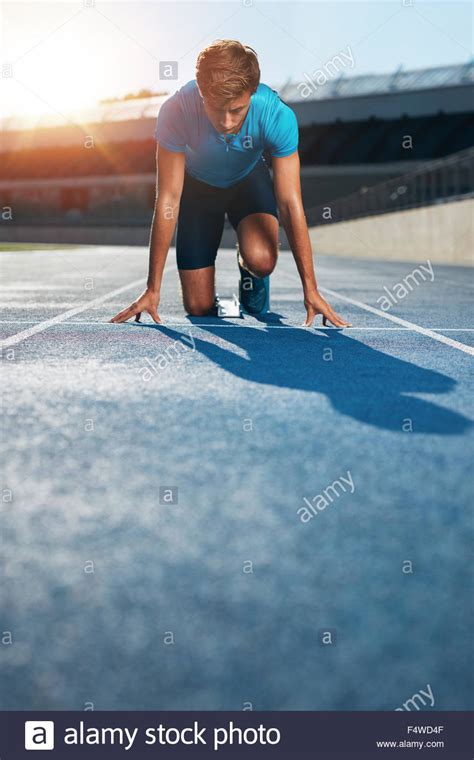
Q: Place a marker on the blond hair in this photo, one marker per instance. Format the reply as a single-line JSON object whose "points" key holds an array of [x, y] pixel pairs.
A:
{"points": [[226, 68]]}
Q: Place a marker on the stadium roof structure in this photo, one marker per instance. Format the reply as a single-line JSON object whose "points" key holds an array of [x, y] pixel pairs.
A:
{"points": [[339, 87], [379, 84]]}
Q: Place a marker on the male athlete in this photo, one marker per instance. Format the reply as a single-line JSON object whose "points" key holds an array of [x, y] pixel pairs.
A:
{"points": [[211, 135]]}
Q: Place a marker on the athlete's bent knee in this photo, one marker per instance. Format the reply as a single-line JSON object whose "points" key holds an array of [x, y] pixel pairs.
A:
{"points": [[263, 264], [198, 309]]}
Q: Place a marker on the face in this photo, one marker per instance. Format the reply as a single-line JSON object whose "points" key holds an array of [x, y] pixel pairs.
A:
{"points": [[228, 116]]}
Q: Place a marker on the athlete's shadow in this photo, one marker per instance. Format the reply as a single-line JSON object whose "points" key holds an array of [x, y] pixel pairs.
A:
{"points": [[361, 382]]}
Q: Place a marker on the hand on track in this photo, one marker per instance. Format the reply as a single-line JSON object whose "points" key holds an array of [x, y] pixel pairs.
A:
{"points": [[315, 304], [148, 302]]}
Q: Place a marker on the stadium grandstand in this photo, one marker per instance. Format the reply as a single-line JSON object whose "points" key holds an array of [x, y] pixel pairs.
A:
{"points": [[93, 178]]}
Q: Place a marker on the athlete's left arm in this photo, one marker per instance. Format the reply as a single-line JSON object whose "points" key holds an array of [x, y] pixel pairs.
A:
{"points": [[287, 186]]}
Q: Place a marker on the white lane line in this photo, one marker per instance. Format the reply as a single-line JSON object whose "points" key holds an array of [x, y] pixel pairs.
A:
{"points": [[84, 322], [41, 326], [239, 323], [411, 325]]}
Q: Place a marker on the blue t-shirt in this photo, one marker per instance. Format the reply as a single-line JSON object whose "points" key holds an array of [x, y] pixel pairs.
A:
{"points": [[221, 160]]}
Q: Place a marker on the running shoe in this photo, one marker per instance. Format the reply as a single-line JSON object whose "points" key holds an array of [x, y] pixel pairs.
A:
{"points": [[254, 292]]}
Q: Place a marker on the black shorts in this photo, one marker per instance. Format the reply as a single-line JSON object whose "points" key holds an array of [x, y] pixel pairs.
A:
{"points": [[203, 208]]}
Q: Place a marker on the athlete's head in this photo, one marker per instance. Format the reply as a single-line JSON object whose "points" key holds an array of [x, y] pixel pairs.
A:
{"points": [[227, 74]]}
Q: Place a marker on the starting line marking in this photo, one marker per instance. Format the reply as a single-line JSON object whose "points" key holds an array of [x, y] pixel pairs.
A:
{"points": [[240, 323], [24, 334], [410, 325], [428, 332]]}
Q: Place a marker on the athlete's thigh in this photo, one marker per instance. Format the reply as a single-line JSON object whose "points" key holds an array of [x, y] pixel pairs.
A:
{"points": [[200, 225], [198, 290], [258, 231], [253, 213], [254, 195]]}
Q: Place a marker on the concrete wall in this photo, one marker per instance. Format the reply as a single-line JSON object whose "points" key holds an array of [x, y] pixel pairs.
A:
{"points": [[442, 233], [71, 234], [85, 235]]}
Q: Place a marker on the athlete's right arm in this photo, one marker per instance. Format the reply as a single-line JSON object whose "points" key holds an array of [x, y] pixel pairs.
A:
{"points": [[170, 178]]}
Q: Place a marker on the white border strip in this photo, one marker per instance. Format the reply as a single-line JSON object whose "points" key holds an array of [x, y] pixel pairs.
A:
{"points": [[237, 323], [24, 334], [40, 327], [410, 325]]}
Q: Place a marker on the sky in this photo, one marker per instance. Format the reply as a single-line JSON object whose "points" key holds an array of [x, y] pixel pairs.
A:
{"points": [[62, 56]]}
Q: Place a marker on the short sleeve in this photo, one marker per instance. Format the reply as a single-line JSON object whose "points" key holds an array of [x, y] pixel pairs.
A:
{"points": [[282, 130], [170, 130]]}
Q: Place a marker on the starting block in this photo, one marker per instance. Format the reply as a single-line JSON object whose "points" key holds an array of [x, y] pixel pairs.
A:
{"points": [[232, 307], [228, 307]]}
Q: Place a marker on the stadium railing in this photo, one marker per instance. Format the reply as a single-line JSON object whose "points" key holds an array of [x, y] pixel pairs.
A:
{"points": [[440, 181]]}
